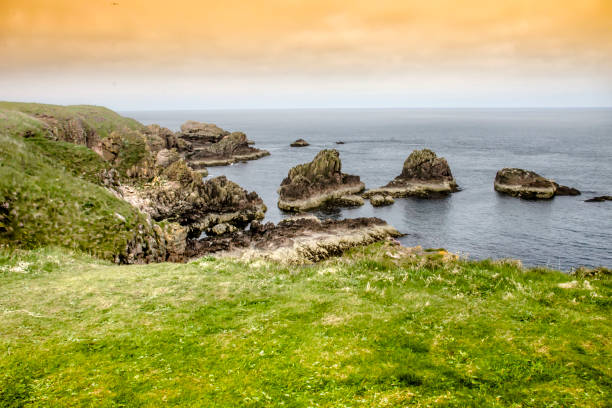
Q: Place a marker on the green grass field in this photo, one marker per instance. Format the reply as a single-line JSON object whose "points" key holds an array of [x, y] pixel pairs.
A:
{"points": [[368, 329]]}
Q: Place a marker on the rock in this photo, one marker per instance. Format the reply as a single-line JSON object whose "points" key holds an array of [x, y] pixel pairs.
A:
{"points": [[566, 191], [198, 132], [378, 200], [222, 228], [339, 142], [599, 199], [349, 201], [166, 157], [296, 240], [250, 142], [180, 195], [423, 175], [209, 145], [109, 147], [528, 185], [159, 138], [317, 183], [300, 143]]}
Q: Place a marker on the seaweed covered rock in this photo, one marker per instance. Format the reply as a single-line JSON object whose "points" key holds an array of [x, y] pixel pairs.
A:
{"points": [[296, 240], [300, 143], [423, 175], [209, 145], [320, 182], [528, 185]]}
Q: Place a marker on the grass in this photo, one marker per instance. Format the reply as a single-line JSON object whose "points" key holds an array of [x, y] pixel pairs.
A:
{"points": [[48, 197], [370, 329], [103, 120]]}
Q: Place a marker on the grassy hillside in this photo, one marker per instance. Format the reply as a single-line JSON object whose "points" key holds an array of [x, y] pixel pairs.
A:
{"points": [[49, 192], [43, 202], [101, 119], [373, 328]]}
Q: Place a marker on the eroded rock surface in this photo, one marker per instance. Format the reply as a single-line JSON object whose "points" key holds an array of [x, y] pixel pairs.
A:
{"points": [[423, 175], [295, 240], [528, 185], [318, 183], [209, 145]]}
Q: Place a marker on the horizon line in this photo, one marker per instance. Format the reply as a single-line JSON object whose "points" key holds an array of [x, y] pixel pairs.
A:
{"points": [[364, 107]]}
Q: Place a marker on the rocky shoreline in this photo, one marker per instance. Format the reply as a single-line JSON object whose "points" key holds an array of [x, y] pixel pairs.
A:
{"points": [[207, 145], [159, 173], [295, 240]]}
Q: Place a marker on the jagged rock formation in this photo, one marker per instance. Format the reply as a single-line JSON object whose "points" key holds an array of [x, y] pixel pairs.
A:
{"points": [[528, 185], [300, 143], [296, 240], [180, 195], [423, 175], [320, 182], [209, 145], [599, 199]]}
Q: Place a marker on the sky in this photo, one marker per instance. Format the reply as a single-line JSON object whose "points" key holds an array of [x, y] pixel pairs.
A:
{"points": [[199, 54]]}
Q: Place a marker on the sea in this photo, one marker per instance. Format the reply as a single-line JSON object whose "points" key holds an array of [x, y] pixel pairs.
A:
{"points": [[571, 146]]}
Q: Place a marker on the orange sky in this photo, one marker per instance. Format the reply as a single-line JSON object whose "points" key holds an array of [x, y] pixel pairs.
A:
{"points": [[437, 50]]}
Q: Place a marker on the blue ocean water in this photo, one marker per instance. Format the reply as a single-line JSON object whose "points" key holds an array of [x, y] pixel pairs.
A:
{"points": [[571, 146]]}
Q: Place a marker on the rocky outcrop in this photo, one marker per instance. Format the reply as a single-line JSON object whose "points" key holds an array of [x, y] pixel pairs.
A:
{"points": [[153, 242], [528, 185], [599, 199], [180, 195], [300, 143], [318, 183], [209, 145], [424, 175], [295, 240]]}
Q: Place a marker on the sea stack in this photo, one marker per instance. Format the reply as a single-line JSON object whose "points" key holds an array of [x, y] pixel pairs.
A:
{"points": [[528, 185], [424, 175], [300, 143], [208, 145], [318, 183]]}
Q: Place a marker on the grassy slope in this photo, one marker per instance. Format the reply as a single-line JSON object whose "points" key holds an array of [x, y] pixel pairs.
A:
{"points": [[363, 330], [103, 120], [48, 193]]}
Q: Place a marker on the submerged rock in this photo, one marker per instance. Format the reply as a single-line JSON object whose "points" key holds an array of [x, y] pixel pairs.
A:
{"points": [[296, 240], [300, 143], [528, 185], [599, 199], [318, 183], [423, 175], [209, 145]]}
